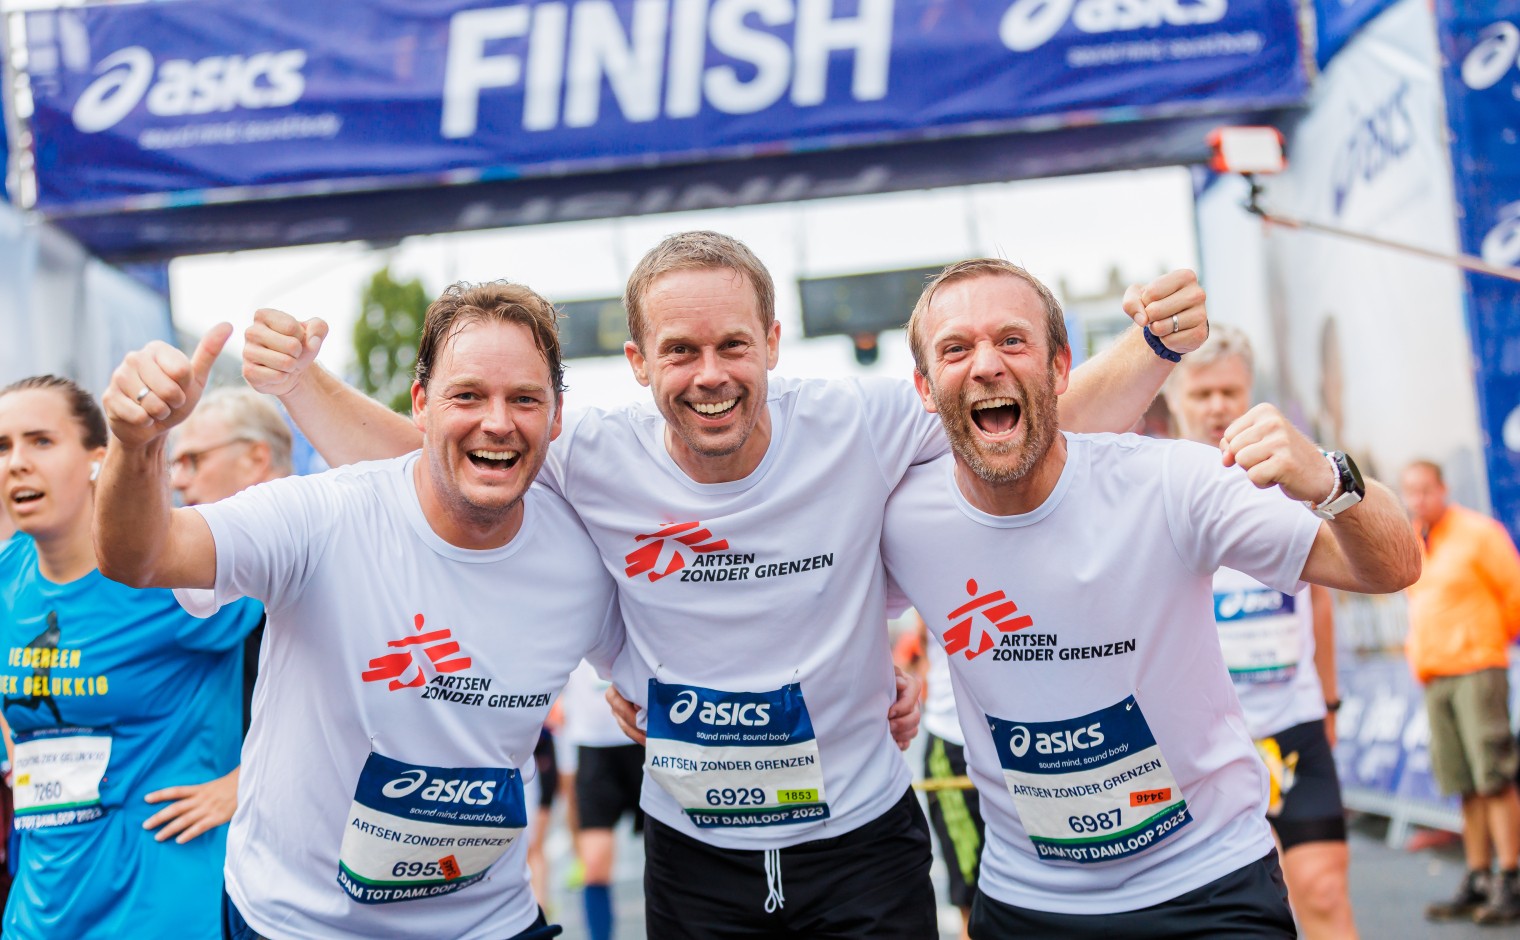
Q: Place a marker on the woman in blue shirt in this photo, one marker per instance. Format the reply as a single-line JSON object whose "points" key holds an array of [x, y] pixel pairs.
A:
{"points": [[111, 693]]}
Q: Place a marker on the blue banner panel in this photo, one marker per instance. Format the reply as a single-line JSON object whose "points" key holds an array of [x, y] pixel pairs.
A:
{"points": [[1480, 46], [390, 214], [180, 98], [1336, 21]]}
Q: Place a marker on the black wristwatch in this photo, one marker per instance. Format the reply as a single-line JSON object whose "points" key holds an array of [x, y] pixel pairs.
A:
{"points": [[1349, 488]]}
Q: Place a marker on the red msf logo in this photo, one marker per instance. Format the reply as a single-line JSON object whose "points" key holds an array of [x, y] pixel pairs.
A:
{"points": [[998, 610], [404, 669], [666, 544]]}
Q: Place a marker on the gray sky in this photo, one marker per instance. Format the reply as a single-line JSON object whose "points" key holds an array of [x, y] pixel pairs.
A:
{"points": [[1073, 228]]}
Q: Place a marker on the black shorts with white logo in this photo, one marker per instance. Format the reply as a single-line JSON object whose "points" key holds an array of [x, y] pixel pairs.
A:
{"points": [[872, 883], [607, 785], [1311, 809], [1248, 902]]}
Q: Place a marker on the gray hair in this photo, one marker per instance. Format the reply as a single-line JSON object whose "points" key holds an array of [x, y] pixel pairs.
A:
{"points": [[250, 416], [1224, 341]]}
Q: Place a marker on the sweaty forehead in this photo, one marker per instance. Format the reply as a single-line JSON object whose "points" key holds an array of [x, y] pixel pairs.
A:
{"points": [[985, 303], [492, 352], [701, 298]]}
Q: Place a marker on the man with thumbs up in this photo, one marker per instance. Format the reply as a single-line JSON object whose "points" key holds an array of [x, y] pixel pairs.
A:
{"points": [[422, 613]]}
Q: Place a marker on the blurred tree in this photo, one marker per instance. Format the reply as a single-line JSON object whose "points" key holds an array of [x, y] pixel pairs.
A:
{"points": [[386, 337]]}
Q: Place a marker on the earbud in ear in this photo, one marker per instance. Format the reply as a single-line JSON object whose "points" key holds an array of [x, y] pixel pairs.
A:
{"points": [[94, 470]]}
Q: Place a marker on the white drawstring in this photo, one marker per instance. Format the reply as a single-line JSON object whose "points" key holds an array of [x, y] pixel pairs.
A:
{"points": [[774, 899]]}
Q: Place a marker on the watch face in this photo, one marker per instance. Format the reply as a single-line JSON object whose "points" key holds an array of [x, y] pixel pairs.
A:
{"points": [[1351, 477]]}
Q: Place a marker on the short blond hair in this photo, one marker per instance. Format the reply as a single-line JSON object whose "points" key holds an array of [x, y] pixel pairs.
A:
{"points": [[249, 416], [1224, 341], [696, 251], [1055, 319]]}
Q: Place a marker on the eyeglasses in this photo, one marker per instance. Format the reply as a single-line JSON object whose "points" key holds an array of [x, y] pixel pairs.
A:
{"points": [[190, 461]]}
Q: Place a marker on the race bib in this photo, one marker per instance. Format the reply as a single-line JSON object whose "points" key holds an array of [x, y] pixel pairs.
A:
{"points": [[735, 759], [57, 776], [418, 832], [1090, 789], [1260, 634]]}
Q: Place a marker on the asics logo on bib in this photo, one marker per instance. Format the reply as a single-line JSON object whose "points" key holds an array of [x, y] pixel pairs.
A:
{"points": [[662, 556], [1249, 602], [215, 83], [1030, 24], [994, 609], [1056, 742], [439, 790], [684, 706], [407, 669], [1492, 56], [719, 713]]}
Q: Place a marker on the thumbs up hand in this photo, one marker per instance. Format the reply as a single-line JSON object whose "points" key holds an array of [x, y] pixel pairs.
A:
{"points": [[278, 348], [158, 386]]}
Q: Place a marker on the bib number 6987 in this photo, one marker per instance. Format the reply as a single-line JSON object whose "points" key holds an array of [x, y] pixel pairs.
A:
{"points": [[742, 796], [1097, 822]]}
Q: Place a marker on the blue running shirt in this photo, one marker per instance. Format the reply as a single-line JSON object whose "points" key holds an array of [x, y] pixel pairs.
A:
{"points": [[164, 688]]}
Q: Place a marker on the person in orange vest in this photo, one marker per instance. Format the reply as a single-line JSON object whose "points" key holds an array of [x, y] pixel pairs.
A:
{"points": [[1463, 614]]}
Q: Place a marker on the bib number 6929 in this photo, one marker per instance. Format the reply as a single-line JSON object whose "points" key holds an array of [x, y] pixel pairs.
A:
{"points": [[741, 796]]}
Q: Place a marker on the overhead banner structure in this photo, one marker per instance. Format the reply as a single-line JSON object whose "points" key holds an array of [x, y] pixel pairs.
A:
{"points": [[1480, 45], [145, 106], [1336, 21]]}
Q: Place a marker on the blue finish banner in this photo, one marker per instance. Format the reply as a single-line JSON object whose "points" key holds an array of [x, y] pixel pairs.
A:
{"points": [[145, 105], [1336, 21], [1480, 46]]}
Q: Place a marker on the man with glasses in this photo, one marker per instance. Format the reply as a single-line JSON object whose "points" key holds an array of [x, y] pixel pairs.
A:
{"points": [[236, 438]]}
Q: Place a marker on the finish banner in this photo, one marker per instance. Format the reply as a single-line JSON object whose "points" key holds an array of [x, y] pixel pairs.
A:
{"points": [[1480, 46], [294, 97]]}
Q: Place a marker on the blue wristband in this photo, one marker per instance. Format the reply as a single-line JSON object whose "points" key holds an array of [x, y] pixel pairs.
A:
{"points": [[1159, 347]]}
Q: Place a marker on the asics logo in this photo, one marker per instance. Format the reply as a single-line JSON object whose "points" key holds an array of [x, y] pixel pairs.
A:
{"points": [[1030, 24], [440, 790], [405, 784], [684, 706], [1018, 741], [1497, 48], [215, 83], [1502, 243], [719, 713], [1249, 602]]}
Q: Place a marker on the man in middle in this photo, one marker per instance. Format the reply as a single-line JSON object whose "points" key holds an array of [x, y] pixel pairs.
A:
{"points": [[741, 519]]}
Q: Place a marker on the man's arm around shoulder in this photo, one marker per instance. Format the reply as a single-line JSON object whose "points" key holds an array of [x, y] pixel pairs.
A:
{"points": [[344, 425]]}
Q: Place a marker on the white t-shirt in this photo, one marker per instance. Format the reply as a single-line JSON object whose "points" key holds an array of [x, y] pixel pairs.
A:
{"points": [[940, 717], [587, 716], [1087, 667], [1268, 642], [402, 684], [759, 607]]}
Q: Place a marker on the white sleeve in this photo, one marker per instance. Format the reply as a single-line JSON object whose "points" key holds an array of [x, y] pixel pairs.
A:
{"points": [[1218, 518], [555, 468], [267, 539], [902, 432], [609, 639]]}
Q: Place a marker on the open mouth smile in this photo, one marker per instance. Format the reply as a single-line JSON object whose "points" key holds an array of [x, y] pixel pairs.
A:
{"points": [[996, 417], [494, 459], [714, 409]]}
